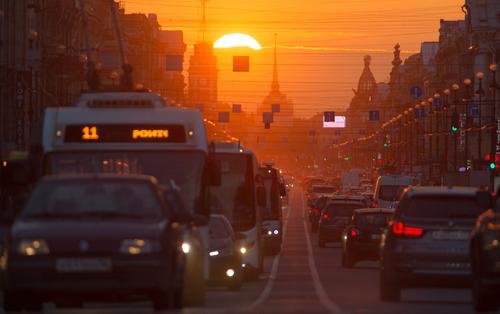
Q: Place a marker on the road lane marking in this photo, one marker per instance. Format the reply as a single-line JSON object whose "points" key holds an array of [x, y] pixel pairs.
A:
{"points": [[272, 276], [320, 291]]}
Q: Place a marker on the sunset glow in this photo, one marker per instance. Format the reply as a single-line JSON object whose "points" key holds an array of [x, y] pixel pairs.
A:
{"points": [[237, 40]]}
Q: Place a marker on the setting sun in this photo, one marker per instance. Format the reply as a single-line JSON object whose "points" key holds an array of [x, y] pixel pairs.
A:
{"points": [[237, 40]]}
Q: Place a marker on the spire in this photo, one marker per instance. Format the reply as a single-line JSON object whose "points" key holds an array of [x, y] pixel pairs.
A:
{"points": [[367, 84], [275, 86], [203, 26]]}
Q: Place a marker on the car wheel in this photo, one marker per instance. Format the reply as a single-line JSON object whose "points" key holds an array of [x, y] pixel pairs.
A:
{"points": [[161, 300], [347, 260], [390, 289], [483, 301]]}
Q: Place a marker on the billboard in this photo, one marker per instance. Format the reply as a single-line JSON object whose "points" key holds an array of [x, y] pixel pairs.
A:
{"points": [[340, 122]]}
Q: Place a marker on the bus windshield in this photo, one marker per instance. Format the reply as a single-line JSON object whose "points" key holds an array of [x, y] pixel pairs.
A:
{"points": [[234, 198], [185, 168]]}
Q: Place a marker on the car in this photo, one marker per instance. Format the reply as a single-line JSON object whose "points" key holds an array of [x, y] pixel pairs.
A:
{"points": [[225, 258], [335, 216], [93, 237], [485, 260], [426, 242], [315, 211], [361, 238], [388, 189]]}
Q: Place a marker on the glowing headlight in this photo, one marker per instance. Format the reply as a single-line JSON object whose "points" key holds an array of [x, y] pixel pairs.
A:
{"points": [[269, 232], [136, 246], [213, 253], [276, 231], [243, 250], [185, 247], [33, 247], [230, 272]]}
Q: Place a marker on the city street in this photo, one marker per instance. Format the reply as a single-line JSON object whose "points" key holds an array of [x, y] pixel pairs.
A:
{"points": [[307, 279]]}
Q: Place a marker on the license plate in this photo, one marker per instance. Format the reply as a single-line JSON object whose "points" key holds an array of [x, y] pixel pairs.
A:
{"points": [[450, 235], [375, 236], [81, 265]]}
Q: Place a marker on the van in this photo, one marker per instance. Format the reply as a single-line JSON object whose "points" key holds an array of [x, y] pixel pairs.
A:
{"points": [[388, 189]]}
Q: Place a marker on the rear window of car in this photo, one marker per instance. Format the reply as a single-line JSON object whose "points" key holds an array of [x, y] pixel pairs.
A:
{"points": [[342, 209], [122, 198], [390, 192], [324, 189], [442, 207], [218, 229], [372, 219]]}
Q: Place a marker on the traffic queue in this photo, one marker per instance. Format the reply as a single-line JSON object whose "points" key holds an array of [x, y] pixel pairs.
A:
{"points": [[125, 197], [422, 236]]}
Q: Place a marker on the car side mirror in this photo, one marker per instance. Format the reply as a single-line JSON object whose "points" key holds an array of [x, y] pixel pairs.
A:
{"points": [[484, 200], [261, 196], [238, 236]]}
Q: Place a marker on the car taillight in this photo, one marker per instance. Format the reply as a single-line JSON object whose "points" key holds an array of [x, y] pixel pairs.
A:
{"points": [[399, 228], [354, 233], [375, 205], [325, 216]]}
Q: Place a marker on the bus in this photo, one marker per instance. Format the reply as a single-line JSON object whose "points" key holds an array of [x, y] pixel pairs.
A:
{"points": [[272, 216], [239, 197], [135, 133]]}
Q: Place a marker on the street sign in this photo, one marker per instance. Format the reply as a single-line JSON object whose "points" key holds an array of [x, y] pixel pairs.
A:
{"points": [[329, 116], [224, 117], [275, 108], [236, 108], [416, 91], [374, 115], [241, 63]]}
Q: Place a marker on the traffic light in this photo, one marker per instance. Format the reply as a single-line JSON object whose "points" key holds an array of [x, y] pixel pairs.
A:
{"points": [[492, 162], [454, 122]]}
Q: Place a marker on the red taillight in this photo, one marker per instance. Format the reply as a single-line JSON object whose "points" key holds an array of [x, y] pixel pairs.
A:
{"points": [[399, 228], [375, 205], [354, 233], [326, 216]]}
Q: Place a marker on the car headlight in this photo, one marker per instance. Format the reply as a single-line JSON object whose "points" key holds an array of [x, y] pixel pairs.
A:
{"points": [[33, 247], [243, 250], [214, 253], [185, 247], [136, 246]]}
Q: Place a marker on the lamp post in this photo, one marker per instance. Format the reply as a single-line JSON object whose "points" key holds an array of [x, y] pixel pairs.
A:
{"points": [[437, 113], [467, 83], [479, 92], [455, 87], [444, 165]]}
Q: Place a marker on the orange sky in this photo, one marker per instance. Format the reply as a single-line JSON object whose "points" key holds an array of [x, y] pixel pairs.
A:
{"points": [[322, 42]]}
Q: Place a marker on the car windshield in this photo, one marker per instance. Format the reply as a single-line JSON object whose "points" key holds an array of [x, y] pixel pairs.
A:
{"points": [[342, 209], [218, 229], [272, 209], [185, 168], [93, 198], [234, 198], [442, 207], [372, 219], [390, 192], [324, 189]]}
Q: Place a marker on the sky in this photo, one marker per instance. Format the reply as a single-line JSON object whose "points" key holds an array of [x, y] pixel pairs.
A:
{"points": [[321, 43]]}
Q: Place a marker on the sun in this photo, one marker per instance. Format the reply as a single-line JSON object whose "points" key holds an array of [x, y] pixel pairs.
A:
{"points": [[237, 40]]}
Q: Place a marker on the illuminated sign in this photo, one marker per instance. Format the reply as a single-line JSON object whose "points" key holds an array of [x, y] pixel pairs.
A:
{"points": [[119, 133], [340, 122]]}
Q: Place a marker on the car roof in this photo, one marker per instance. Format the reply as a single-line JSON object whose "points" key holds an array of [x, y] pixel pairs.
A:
{"points": [[99, 176], [374, 210], [442, 191]]}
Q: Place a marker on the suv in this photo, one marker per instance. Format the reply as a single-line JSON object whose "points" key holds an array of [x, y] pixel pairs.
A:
{"points": [[427, 239], [388, 189], [485, 260], [335, 216]]}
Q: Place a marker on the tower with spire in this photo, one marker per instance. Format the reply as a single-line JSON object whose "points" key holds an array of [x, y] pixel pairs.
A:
{"points": [[284, 118], [203, 72]]}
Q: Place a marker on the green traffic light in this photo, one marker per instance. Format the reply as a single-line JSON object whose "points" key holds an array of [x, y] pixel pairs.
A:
{"points": [[454, 129], [346, 158], [492, 165], [386, 145]]}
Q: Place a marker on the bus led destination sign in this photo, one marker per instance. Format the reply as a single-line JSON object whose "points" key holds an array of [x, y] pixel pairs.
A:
{"points": [[119, 133]]}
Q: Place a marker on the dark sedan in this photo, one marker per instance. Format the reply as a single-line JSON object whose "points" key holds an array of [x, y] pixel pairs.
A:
{"points": [[93, 237], [225, 258], [485, 260], [361, 239]]}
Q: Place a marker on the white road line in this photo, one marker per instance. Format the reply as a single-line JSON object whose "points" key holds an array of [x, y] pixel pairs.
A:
{"points": [[320, 291], [272, 276]]}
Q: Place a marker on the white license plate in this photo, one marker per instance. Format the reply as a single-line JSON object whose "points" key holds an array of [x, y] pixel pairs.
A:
{"points": [[81, 265], [375, 236], [450, 235]]}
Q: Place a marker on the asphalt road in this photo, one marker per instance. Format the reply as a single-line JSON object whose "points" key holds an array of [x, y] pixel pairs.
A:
{"points": [[307, 279]]}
